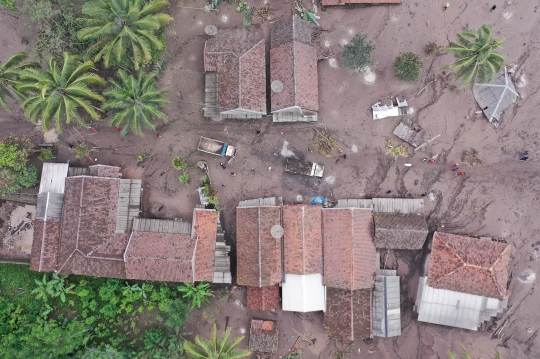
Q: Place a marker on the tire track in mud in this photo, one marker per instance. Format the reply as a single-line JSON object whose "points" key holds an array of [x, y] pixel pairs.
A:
{"points": [[373, 183]]}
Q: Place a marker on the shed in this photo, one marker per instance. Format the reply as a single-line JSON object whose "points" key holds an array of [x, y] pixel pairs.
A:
{"points": [[303, 293], [495, 97]]}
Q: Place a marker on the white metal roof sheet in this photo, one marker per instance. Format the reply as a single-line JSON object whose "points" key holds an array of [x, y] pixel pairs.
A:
{"points": [[53, 177], [303, 293]]}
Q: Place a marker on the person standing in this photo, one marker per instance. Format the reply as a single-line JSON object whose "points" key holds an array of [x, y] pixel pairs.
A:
{"points": [[446, 6], [494, 7]]}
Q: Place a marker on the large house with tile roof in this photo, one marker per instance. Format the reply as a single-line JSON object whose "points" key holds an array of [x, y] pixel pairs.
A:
{"points": [[466, 281], [93, 228]]}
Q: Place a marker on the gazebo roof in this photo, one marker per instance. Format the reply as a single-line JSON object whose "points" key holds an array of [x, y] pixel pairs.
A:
{"points": [[494, 98]]}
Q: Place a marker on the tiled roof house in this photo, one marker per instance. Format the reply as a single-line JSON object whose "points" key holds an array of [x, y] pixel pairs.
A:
{"points": [[350, 265], [466, 281], [235, 74], [348, 2], [293, 71], [99, 234]]}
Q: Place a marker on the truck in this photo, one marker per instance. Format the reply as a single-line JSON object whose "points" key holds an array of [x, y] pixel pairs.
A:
{"points": [[301, 167], [218, 148]]}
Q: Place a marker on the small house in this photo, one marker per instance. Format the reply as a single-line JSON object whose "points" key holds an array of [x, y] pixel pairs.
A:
{"points": [[293, 71], [235, 75]]}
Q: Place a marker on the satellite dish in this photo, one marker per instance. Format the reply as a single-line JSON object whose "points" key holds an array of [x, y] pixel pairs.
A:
{"points": [[277, 231], [277, 86], [210, 30]]}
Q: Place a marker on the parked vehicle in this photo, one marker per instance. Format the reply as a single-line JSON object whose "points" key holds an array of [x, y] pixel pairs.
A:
{"points": [[307, 168], [218, 148]]}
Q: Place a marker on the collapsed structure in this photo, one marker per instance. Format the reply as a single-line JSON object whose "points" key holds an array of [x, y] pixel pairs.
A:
{"points": [[87, 223]]}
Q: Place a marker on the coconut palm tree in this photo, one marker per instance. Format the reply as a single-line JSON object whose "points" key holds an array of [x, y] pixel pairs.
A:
{"points": [[10, 73], [215, 348], [476, 59], [60, 92], [135, 101], [123, 30]]}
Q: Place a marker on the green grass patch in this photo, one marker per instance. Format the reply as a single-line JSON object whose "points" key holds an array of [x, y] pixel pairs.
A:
{"points": [[17, 283]]}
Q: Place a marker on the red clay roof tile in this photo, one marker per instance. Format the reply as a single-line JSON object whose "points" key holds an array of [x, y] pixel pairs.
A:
{"points": [[349, 254], [469, 265], [263, 298], [258, 252], [205, 230], [302, 239], [160, 256], [238, 56], [45, 245], [348, 314]]}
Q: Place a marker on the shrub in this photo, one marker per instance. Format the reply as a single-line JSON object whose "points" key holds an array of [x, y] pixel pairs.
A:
{"points": [[179, 163], [408, 66], [432, 48], [82, 151], [45, 155], [395, 150], [141, 157], [196, 294], [184, 178], [358, 54], [14, 173]]}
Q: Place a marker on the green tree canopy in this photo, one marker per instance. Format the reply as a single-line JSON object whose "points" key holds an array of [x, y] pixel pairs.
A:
{"points": [[408, 66], [216, 348], [477, 61], [135, 102], [359, 53], [123, 30], [14, 173], [61, 92], [10, 73]]}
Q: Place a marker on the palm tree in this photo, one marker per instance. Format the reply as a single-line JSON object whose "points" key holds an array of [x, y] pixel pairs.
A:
{"points": [[60, 92], [215, 348], [10, 77], [123, 29], [476, 59], [135, 101]]}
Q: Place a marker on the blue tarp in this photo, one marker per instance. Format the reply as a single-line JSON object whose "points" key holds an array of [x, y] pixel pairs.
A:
{"points": [[318, 200]]}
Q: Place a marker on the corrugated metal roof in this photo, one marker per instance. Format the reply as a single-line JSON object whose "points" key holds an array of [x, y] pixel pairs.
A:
{"points": [[398, 205], [161, 226], [455, 309], [129, 204], [53, 177], [386, 310], [355, 203], [268, 201], [495, 97], [303, 293], [49, 205]]}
